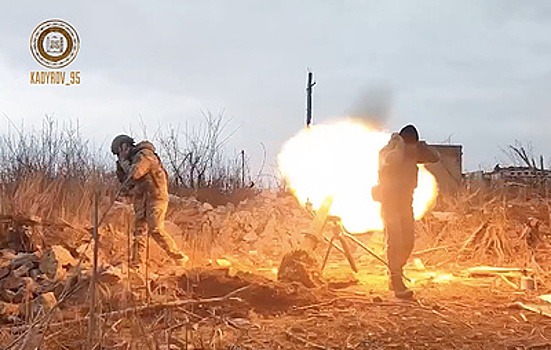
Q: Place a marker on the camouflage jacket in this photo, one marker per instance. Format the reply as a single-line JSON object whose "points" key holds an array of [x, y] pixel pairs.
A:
{"points": [[145, 172], [398, 169]]}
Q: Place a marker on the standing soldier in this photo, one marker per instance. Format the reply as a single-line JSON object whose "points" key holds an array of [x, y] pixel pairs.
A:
{"points": [[142, 175], [397, 180]]}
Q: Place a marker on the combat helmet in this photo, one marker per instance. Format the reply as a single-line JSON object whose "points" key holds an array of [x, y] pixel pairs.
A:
{"points": [[119, 141]]}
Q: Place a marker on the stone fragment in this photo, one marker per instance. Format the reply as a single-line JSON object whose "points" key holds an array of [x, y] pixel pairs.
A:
{"points": [[24, 269], [110, 275], [55, 261]]}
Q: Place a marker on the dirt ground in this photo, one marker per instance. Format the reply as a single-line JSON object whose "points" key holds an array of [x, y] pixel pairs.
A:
{"points": [[224, 308], [231, 298], [461, 313]]}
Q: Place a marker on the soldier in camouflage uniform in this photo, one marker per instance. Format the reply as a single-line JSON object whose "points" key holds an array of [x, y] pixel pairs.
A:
{"points": [[398, 172], [144, 178]]}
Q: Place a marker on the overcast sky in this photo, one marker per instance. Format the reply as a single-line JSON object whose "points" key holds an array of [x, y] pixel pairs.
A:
{"points": [[478, 71]]}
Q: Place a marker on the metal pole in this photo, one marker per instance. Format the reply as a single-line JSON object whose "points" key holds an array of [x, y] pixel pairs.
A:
{"points": [[364, 247], [309, 87]]}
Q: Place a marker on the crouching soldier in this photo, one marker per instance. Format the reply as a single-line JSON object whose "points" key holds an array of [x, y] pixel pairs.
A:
{"points": [[144, 178], [397, 180]]}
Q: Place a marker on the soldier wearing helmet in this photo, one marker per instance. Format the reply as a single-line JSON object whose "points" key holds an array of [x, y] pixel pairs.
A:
{"points": [[398, 172], [143, 176]]}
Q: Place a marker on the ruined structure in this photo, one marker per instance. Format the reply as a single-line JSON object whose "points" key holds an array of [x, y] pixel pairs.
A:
{"points": [[510, 176], [449, 171]]}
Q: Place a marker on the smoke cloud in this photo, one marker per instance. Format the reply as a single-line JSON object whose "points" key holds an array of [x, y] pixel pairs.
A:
{"points": [[373, 105]]}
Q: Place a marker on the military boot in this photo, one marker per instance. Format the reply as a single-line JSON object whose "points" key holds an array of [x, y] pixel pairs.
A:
{"points": [[399, 288]]}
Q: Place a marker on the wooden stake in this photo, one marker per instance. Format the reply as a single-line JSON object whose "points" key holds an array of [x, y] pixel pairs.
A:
{"points": [[242, 168], [92, 323], [147, 286]]}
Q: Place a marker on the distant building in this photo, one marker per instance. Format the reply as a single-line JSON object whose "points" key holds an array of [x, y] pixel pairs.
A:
{"points": [[449, 171], [523, 175], [477, 178], [511, 175]]}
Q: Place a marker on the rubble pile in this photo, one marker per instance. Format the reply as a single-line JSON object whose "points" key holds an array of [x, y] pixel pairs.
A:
{"points": [[30, 282], [492, 228], [262, 228], [39, 259]]}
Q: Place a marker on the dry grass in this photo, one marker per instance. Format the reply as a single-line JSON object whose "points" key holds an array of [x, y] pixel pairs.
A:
{"points": [[488, 228], [53, 174]]}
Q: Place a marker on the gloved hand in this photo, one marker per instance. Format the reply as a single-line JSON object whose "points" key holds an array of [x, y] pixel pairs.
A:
{"points": [[396, 141], [394, 151], [126, 188]]}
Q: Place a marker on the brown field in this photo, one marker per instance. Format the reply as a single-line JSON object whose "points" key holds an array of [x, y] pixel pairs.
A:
{"points": [[229, 296]]}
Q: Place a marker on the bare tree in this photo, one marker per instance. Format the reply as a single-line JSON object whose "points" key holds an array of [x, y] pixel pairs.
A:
{"points": [[523, 155], [196, 156]]}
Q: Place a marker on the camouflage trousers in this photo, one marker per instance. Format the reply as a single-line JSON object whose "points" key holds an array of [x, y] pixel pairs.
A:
{"points": [[399, 234], [150, 218]]}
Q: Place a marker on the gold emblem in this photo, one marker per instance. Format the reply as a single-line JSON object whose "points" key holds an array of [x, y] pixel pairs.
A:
{"points": [[54, 43]]}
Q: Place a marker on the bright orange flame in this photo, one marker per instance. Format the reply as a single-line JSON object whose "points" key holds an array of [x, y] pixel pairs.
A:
{"points": [[341, 160]]}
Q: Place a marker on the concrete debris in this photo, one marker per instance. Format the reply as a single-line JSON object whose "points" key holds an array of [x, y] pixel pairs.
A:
{"points": [[24, 269], [11, 282], [110, 275], [24, 259], [55, 261], [269, 224], [8, 311], [86, 250], [207, 207], [46, 301]]}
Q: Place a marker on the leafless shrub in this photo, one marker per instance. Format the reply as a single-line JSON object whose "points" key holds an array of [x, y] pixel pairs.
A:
{"points": [[53, 170], [196, 158], [55, 150], [50, 172]]}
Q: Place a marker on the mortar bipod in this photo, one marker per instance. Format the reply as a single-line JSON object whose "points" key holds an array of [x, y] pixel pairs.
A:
{"points": [[338, 234]]}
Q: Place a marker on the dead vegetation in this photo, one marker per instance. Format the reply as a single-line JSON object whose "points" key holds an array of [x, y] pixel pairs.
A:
{"points": [[236, 300], [497, 227], [230, 296]]}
